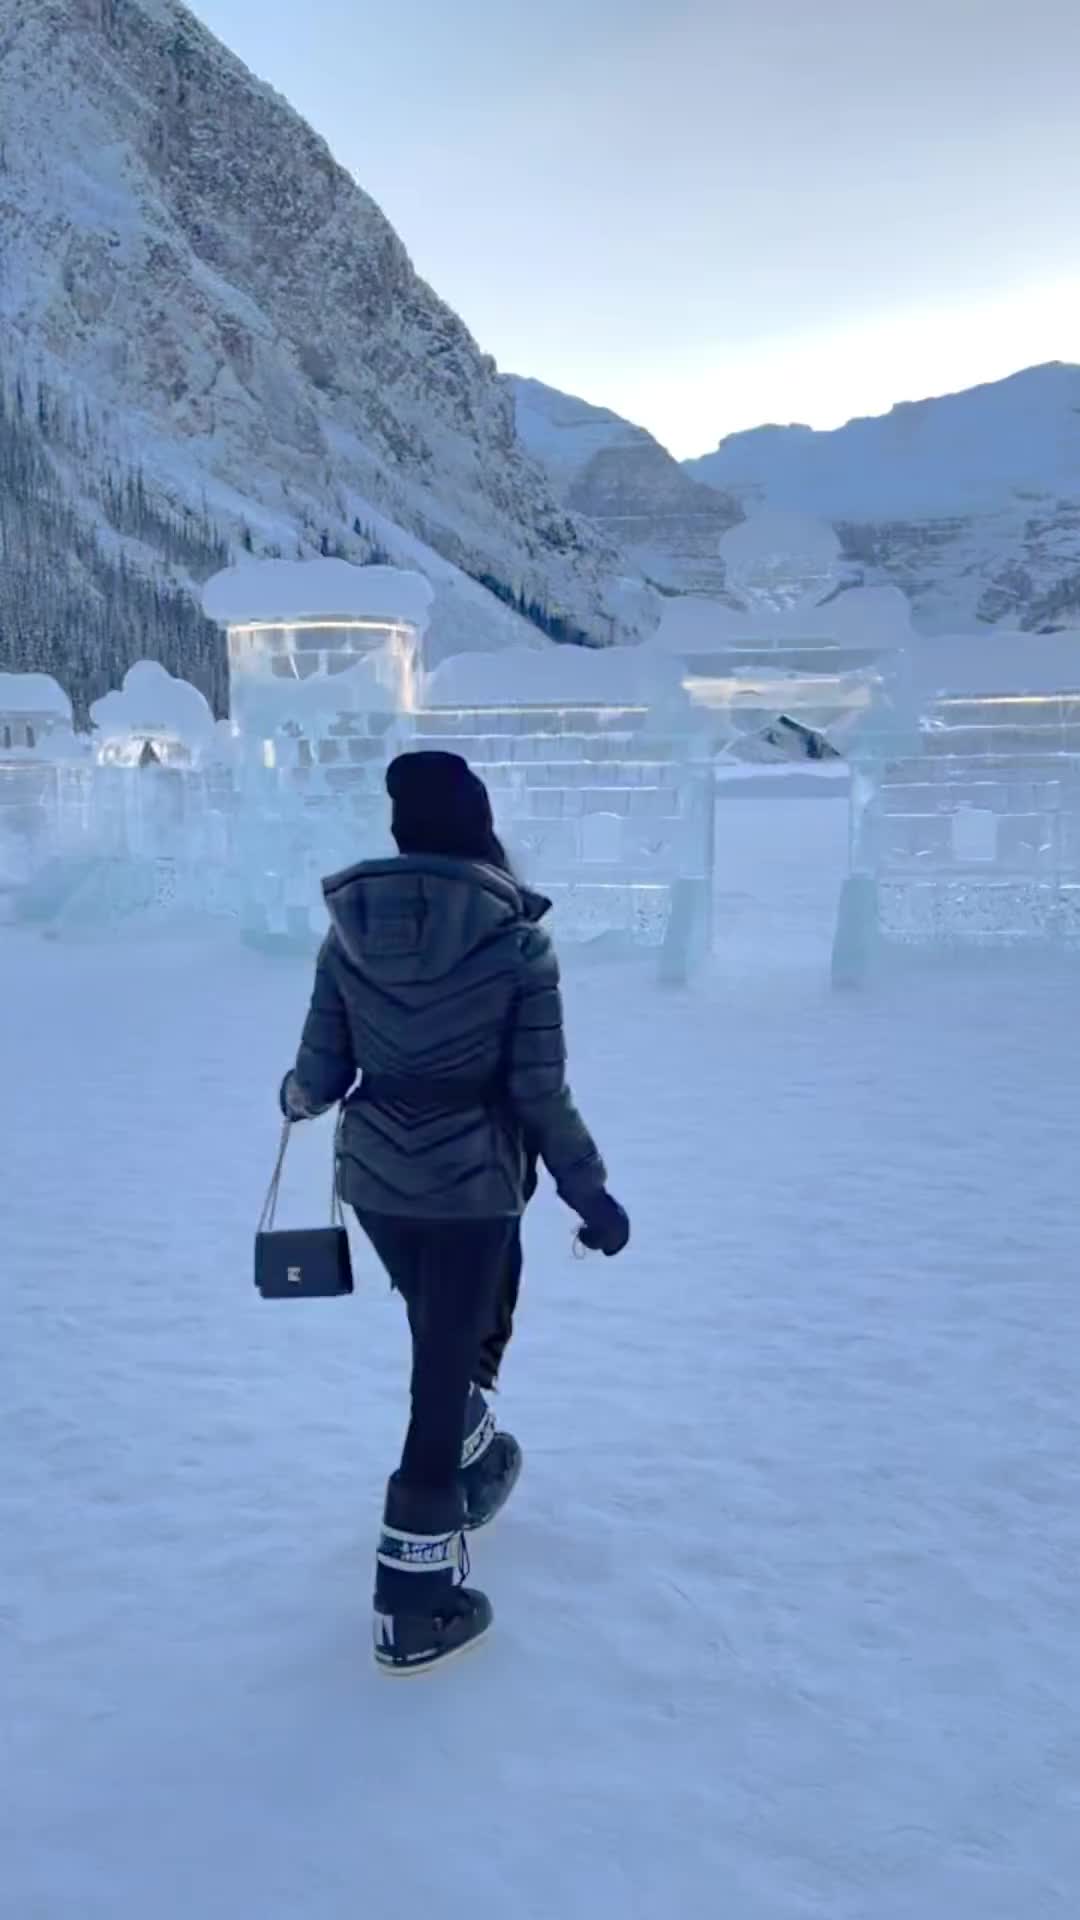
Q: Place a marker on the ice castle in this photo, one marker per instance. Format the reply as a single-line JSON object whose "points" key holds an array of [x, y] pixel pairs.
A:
{"points": [[603, 763], [162, 816], [592, 767]]}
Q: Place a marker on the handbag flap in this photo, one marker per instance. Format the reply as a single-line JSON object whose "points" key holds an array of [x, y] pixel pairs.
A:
{"points": [[303, 1264]]}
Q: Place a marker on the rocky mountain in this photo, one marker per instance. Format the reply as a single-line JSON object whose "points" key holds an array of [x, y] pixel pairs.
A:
{"points": [[667, 523], [970, 503], [211, 339]]}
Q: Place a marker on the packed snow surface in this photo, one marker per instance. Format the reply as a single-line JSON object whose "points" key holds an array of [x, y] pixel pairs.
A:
{"points": [[787, 1595]]}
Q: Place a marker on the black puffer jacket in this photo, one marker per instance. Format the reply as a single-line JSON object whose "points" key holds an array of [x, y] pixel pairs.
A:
{"points": [[438, 987]]}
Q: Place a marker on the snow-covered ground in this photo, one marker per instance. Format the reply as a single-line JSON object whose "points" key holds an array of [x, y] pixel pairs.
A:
{"points": [[787, 1597]]}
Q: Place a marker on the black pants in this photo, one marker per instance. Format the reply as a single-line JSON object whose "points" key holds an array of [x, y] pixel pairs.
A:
{"points": [[449, 1276], [501, 1326], [493, 1346]]}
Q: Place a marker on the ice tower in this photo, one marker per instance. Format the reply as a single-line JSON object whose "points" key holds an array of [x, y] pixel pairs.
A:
{"points": [[315, 648], [325, 663]]}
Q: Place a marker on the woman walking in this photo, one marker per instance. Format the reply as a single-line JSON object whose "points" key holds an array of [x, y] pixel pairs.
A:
{"points": [[440, 990]]}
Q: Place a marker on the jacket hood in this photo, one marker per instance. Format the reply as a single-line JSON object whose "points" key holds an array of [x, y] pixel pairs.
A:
{"points": [[414, 918]]}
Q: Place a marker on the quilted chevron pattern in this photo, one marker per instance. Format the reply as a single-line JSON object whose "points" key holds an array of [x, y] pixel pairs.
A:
{"points": [[437, 971]]}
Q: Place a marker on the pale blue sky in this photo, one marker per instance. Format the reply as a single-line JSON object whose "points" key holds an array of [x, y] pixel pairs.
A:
{"points": [[710, 213]]}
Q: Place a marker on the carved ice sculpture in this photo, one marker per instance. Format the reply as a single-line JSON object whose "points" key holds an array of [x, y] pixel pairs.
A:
{"points": [[789, 665], [965, 810]]}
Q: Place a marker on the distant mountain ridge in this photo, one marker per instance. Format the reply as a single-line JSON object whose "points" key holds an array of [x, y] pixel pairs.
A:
{"points": [[969, 503], [962, 453]]}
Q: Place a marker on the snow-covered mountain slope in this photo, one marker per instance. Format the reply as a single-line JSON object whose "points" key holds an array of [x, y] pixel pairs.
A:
{"points": [[970, 503], [196, 299], [668, 524]]}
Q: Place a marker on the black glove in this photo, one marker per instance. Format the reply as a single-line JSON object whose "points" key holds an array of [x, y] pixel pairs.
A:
{"points": [[606, 1227], [291, 1100]]}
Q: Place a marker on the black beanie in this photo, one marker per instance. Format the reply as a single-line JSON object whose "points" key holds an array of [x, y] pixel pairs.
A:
{"points": [[439, 806]]}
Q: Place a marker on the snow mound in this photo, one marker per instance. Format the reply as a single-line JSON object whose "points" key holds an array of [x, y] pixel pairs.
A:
{"points": [[152, 702], [316, 589], [554, 676], [33, 693]]}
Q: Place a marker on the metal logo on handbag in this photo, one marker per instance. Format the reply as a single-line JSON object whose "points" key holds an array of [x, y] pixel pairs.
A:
{"points": [[311, 1263]]}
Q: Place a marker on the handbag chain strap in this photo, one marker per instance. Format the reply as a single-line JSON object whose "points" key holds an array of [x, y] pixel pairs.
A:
{"points": [[337, 1211]]}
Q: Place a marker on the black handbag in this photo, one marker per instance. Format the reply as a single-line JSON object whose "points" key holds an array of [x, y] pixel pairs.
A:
{"points": [[307, 1263]]}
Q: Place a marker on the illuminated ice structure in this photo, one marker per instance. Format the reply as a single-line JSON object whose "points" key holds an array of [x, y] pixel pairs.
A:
{"points": [[601, 762], [154, 720], [587, 754], [324, 664], [965, 808], [316, 647]]}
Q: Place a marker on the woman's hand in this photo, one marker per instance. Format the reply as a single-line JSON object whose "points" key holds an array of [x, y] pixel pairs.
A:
{"points": [[291, 1100], [606, 1227]]}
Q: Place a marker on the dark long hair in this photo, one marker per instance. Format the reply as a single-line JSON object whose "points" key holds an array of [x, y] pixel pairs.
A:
{"points": [[497, 856]]}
